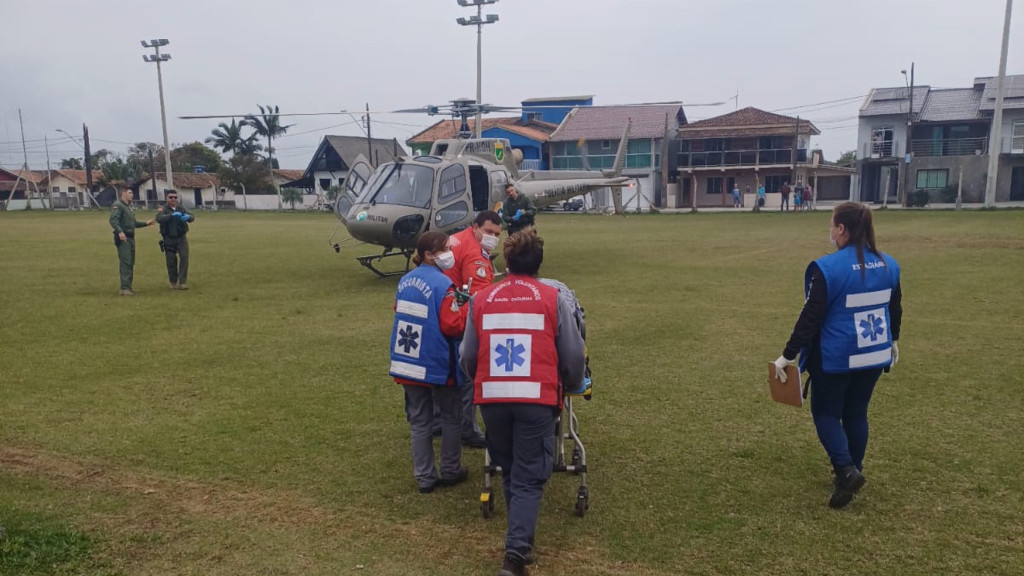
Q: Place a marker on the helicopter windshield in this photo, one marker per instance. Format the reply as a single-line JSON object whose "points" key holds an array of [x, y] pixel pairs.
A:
{"points": [[402, 184]]}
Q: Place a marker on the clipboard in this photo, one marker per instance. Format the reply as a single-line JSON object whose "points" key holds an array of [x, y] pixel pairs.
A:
{"points": [[787, 392]]}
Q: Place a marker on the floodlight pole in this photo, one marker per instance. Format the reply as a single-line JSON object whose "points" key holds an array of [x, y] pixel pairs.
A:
{"points": [[158, 58], [479, 22], [994, 144]]}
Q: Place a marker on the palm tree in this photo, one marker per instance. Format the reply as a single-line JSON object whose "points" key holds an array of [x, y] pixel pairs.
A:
{"points": [[268, 125], [227, 138], [292, 196]]}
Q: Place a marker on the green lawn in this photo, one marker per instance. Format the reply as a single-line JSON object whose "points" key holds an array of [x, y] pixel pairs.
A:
{"points": [[248, 426]]}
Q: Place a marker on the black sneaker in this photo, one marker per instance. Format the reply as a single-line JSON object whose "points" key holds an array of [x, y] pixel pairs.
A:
{"points": [[847, 482], [457, 479], [428, 489], [514, 565], [477, 441]]}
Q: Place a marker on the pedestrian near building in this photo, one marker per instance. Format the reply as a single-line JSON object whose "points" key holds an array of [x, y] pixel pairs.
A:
{"points": [[784, 207], [735, 195], [473, 271], [518, 211], [809, 197], [846, 335], [428, 318], [174, 220], [523, 347], [760, 196], [124, 223]]}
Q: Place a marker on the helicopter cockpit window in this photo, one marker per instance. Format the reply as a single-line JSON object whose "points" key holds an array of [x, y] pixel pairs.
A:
{"points": [[404, 185], [453, 183], [428, 159], [450, 215]]}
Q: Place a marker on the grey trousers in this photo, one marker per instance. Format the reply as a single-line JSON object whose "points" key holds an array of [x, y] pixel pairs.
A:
{"points": [[419, 410]]}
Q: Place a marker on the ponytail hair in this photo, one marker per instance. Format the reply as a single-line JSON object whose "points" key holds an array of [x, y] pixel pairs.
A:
{"points": [[429, 242], [856, 218]]}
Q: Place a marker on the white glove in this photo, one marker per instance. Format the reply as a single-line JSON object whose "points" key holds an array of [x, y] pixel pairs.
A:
{"points": [[780, 367], [895, 354]]}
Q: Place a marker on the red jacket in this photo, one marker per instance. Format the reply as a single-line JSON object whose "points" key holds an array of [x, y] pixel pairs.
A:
{"points": [[516, 322], [471, 262]]}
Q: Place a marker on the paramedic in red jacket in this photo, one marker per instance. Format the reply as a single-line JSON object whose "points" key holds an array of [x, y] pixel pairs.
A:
{"points": [[523, 347], [472, 248]]}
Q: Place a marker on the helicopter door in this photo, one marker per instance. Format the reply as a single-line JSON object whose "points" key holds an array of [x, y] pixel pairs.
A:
{"points": [[354, 184], [479, 185], [452, 210]]}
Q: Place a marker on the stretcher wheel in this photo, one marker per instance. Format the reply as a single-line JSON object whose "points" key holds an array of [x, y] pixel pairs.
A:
{"points": [[486, 505], [582, 503]]}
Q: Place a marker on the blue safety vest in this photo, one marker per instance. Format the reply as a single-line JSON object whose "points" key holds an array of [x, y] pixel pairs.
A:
{"points": [[419, 350], [856, 333]]}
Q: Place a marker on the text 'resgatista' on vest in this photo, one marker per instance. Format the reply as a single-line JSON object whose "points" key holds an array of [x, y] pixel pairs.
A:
{"points": [[419, 350], [856, 334], [517, 323]]}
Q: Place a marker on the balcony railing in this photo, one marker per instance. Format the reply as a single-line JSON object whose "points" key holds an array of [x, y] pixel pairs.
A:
{"points": [[880, 149], [740, 158], [531, 164], [949, 147]]}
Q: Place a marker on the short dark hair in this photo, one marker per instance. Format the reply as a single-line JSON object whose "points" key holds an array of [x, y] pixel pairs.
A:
{"points": [[509, 185], [524, 252], [487, 216], [172, 193]]}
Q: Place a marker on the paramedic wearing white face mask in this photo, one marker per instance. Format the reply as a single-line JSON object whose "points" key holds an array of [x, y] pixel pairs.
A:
{"points": [[846, 335], [428, 319], [472, 248]]}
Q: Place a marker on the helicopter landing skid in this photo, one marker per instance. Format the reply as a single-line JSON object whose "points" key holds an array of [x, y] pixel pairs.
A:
{"points": [[370, 261]]}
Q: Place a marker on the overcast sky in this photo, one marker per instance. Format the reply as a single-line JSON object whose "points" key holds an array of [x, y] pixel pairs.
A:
{"points": [[65, 62]]}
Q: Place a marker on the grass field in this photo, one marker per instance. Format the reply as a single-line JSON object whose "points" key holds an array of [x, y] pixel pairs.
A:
{"points": [[248, 426]]}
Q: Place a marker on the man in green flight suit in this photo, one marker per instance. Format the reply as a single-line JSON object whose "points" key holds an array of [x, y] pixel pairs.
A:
{"points": [[518, 211], [173, 220], [122, 220]]}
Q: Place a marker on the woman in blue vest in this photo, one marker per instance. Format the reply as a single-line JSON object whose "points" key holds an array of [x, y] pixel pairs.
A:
{"points": [[846, 335], [428, 319]]}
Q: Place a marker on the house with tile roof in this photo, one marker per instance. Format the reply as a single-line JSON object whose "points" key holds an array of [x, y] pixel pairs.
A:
{"points": [[948, 146], [749, 148], [588, 139], [336, 155]]}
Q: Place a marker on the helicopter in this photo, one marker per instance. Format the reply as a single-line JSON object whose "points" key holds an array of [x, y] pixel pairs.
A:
{"points": [[392, 205]]}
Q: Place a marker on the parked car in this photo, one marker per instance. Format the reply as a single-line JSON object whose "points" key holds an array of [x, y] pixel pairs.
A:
{"points": [[576, 204]]}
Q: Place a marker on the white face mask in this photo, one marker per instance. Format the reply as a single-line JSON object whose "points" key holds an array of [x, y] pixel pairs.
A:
{"points": [[489, 242], [445, 260]]}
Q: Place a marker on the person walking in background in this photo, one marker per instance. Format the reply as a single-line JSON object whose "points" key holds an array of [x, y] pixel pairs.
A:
{"points": [[784, 207], [735, 195], [809, 197], [846, 335], [760, 195]]}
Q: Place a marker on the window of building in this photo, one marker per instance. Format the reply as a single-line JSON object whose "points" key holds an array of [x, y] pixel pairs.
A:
{"points": [[325, 183], [638, 154], [775, 183], [56, 189], [1017, 138], [566, 156], [72, 189], [773, 142], [881, 142], [714, 185], [932, 178], [716, 145], [606, 144]]}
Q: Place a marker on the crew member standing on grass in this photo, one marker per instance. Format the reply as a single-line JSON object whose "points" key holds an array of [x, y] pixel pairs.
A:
{"points": [[427, 320], [173, 220], [122, 220], [519, 210], [846, 335], [523, 346], [474, 271]]}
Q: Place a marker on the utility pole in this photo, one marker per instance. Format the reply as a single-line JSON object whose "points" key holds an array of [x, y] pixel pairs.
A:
{"points": [[158, 58], [88, 165], [49, 189], [479, 22], [29, 177], [369, 139], [796, 144], [994, 144], [152, 172], [902, 194]]}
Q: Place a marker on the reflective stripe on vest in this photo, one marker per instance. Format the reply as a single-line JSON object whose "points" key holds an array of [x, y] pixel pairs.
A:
{"points": [[517, 321]]}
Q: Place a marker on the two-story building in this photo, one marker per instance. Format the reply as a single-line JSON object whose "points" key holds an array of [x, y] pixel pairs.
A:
{"points": [[748, 148], [588, 139], [336, 155], [947, 149]]}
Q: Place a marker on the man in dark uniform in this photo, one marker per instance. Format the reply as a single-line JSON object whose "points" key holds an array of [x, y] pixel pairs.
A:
{"points": [[122, 220], [173, 220], [518, 211]]}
